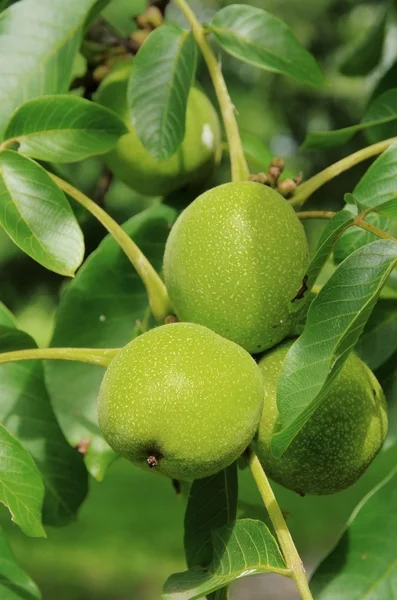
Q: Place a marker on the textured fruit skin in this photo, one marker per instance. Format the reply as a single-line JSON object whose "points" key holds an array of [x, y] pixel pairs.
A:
{"points": [[182, 393], [134, 165], [234, 261], [339, 441]]}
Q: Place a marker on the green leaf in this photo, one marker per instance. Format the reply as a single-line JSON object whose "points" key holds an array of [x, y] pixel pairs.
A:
{"points": [[104, 306], [365, 56], [388, 208], [39, 40], [21, 487], [245, 547], [212, 503], [15, 584], [120, 14], [329, 236], [379, 340], [260, 39], [64, 128], [163, 73], [364, 563], [36, 215], [377, 188], [26, 411], [335, 321], [379, 122]]}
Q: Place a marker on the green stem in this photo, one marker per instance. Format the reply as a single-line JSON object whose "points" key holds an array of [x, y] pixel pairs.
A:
{"points": [[240, 171], [305, 190], [158, 297], [359, 222], [94, 356], [292, 558], [315, 214]]}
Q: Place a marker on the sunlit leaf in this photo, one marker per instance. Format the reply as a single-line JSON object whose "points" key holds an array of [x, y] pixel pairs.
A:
{"points": [[163, 73], [245, 547], [336, 318], [364, 563], [36, 215], [64, 128], [39, 40], [260, 39]]}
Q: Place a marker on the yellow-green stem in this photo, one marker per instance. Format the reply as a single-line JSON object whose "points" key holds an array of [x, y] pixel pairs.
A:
{"points": [[158, 297], [292, 558], [94, 356], [306, 189], [240, 171], [359, 221], [315, 214], [373, 229]]}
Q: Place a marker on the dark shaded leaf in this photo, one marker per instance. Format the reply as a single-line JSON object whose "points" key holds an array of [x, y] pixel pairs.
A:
{"points": [[212, 503], [366, 55], [379, 122], [26, 411], [15, 584]]}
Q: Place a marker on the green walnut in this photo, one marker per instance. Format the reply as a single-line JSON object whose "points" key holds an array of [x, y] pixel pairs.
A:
{"points": [[181, 400], [340, 440], [234, 262], [194, 162]]}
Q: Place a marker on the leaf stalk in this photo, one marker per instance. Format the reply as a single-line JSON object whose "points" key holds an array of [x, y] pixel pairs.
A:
{"points": [[306, 189], [240, 171], [94, 356], [159, 301]]}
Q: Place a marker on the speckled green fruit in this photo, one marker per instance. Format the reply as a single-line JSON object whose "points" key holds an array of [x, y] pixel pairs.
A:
{"points": [[234, 261], [182, 400], [339, 441], [134, 165]]}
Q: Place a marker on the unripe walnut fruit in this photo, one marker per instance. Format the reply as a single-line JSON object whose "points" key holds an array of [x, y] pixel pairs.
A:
{"points": [[192, 164], [234, 261], [338, 442], [181, 400]]}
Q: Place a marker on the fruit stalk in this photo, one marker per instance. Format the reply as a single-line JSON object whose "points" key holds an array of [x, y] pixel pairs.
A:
{"points": [[305, 190], [158, 297], [240, 171], [94, 356], [290, 553]]}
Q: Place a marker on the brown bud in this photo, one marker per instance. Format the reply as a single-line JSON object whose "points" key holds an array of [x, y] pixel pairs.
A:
{"points": [[273, 175], [259, 178], [151, 18], [298, 179], [286, 187], [279, 163], [171, 319], [139, 36], [100, 72]]}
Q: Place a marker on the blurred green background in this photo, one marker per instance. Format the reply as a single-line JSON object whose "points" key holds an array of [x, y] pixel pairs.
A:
{"points": [[129, 535]]}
